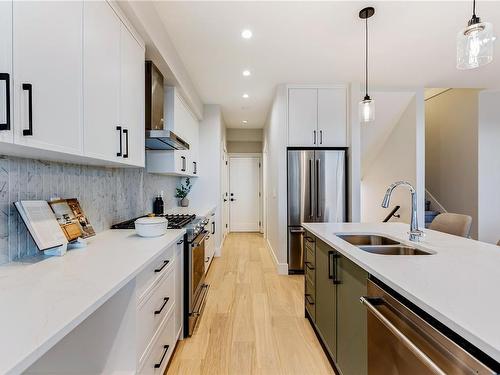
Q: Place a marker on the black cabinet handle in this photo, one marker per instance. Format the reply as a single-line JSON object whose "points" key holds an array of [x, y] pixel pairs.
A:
{"points": [[125, 131], [6, 125], [29, 87], [183, 168], [165, 350], [330, 275], [336, 281], [213, 227], [180, 242], [314, 136], [309, 265], [165, 262], [165, 300], [321, 137], [195, 168], [309, 299], [119, 128]]}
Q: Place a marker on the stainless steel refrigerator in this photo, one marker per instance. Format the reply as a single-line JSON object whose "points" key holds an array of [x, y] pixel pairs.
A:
{"points": [[316, 193]]}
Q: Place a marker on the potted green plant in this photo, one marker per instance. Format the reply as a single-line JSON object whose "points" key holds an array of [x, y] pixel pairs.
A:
{"points": [[182, 192]]}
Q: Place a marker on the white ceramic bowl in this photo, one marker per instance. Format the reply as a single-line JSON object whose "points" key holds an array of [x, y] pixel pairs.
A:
{"points": [[151, 226]]}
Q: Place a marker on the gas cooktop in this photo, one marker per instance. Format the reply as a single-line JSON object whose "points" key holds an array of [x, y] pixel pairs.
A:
{"points": [[175, 221]]}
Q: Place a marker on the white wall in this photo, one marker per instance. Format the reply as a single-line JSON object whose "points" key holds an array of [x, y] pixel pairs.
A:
{"points": [[274, 152], [451, 125], [207, 188], [489, 166], [400, 158]]}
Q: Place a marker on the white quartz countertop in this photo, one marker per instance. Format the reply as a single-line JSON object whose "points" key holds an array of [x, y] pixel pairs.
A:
{"points": [[458, 285], [43, 301]]}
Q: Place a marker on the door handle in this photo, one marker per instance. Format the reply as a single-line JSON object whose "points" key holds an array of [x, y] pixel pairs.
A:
{"points": [[321, 137], [318, 209], [119, 129], [165, 300], [165, 350], [29, 87], [195, 168], [311, 211], [232, 199], [330, 261], [314, 136], [213, 227], [125, 131], [6, 125]]}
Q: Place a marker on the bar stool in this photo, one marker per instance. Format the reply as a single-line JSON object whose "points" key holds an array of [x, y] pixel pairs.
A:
{"points": [[456, 224]]}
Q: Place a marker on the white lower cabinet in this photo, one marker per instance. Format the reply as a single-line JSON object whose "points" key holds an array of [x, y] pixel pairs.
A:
{"points": [[210, 242], [159, 317], [161, 349]]}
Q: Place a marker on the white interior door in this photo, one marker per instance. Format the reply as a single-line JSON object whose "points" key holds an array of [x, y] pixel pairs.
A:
{"points": [[244, 201]]}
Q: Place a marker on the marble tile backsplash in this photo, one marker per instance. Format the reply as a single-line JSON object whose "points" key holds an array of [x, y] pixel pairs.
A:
{"points": [[107, 195]]}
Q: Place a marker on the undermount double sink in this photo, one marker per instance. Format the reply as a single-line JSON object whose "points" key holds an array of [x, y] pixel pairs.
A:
{"points": [[376, 244]]}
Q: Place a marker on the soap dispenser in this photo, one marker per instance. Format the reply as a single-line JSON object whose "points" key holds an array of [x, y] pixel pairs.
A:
{"points": [[158, 204]]}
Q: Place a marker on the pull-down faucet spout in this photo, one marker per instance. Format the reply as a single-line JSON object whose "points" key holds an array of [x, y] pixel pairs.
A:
{"points": [[415, 233]]}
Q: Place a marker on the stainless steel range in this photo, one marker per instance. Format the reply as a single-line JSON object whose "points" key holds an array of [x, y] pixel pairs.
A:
{"points": [[195, 288]]}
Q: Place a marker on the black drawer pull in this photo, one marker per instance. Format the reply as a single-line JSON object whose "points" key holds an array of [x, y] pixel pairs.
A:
{"points": [[165, 300], [309, 299], [180, 242], [119, 128], [309, 239], [308, 265], [6, 77], [28, 87], [125, 131], [165, 350], [165, 262]]}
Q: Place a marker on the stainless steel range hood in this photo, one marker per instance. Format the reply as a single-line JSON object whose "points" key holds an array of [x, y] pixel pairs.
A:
{"points": [[157, 137], [164, 140]]}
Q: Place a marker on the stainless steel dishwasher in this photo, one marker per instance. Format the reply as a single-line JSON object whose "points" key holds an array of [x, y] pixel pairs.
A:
{"points": [[400, 342]]}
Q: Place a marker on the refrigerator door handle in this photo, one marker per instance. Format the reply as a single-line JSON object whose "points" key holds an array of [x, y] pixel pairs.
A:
{"points": [[311, 211], [318, 208]]}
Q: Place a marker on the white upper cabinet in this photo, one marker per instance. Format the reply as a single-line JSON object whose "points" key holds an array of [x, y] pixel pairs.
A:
{"points": [[180, 120], [317, 117], [6, 134], [101, 72], [332, 117], [113, 88], [47, 50], [302, 117], [132, 98]]}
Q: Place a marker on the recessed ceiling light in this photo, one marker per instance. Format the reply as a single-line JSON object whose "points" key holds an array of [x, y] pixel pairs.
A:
{"points": [[245, 96], [246, 34], [246, 73], [245, 121]]}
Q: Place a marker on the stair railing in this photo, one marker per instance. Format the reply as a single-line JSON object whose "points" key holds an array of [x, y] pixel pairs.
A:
{"points": [[392, 214]]}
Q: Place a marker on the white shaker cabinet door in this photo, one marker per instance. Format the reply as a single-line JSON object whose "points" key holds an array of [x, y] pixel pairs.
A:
{"points": [[47, 40], [101, 72], [6, 125], [302, 117], [132, 98], [332, 117]]}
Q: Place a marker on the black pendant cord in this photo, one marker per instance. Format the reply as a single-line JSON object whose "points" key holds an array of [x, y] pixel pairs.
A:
{"points": [[475, 19], [473, 8], [366, 58]]}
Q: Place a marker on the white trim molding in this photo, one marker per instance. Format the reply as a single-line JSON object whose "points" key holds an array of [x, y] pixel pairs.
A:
{"points": [[281, 268]]}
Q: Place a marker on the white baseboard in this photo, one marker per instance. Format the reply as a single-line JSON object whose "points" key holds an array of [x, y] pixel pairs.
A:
{"points": [[281, 268]]}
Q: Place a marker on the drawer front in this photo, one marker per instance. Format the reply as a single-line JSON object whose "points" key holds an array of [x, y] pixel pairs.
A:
{"points": [[154, 271], [156, 360], [310, 300], [310, 256], [310, 273], [153, 309], [309, 241]]}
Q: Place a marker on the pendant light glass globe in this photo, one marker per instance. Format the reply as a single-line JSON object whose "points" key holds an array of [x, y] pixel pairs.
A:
{"points": [[475, 45], [367, 110]]}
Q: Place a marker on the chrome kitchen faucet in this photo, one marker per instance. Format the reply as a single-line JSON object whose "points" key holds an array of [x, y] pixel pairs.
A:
{"points": [[415, 233]]}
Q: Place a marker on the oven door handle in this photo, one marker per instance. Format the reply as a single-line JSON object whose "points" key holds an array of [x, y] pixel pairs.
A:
{"points": [[203, 236], [369, 303]]}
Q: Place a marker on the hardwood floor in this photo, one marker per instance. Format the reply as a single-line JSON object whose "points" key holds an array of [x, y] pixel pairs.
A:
{"points": [[253, 321]]}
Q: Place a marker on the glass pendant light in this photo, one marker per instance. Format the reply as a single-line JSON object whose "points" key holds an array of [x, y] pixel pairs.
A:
{"points": [[475, 43], [367, 105]]}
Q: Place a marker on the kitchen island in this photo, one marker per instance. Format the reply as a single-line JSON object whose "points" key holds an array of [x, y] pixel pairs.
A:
{"points": [[96, 300], [457, 284]]}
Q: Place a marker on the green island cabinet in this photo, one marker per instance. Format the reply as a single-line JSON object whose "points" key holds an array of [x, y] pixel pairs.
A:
{"points": [[333, 286]]}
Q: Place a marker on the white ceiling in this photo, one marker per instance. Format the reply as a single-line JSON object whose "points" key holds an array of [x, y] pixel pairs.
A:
{"points": [[412, 44]]}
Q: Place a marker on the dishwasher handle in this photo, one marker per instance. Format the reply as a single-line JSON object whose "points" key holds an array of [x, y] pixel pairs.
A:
{"points": [[369, 302]]}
